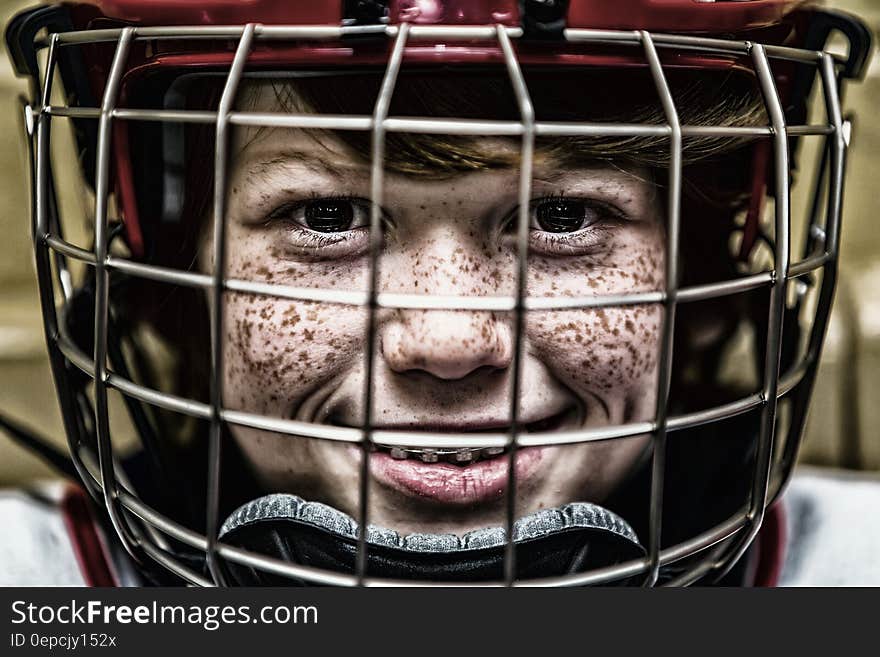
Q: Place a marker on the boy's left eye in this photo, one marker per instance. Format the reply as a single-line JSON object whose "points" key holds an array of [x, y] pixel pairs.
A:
{"points": [[329, 215], [563, 215]]}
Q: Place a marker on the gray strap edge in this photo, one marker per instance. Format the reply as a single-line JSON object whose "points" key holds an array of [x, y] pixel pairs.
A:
{"points": [[584, 515]]}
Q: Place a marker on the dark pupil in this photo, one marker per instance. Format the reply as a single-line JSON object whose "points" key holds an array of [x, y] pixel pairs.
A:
{"points": [[561, 216], [329, 216]]}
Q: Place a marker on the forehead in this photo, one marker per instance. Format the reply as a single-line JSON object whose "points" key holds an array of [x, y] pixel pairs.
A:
{"points": [[278, 156], [590, 96], [432, 157]]}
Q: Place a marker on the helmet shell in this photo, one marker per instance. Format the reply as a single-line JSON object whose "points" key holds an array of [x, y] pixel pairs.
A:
{"points": [[703, 16]]}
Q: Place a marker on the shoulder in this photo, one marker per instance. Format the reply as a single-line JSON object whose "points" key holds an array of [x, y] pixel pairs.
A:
{"points": [[35, 545], [833, 529], [50, 535]]}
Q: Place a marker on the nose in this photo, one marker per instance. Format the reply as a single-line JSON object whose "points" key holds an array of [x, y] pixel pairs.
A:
{"points": [[447, 344]]}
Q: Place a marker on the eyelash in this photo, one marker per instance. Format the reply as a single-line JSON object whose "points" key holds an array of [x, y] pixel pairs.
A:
{"points": [[279, 213], [306, 238], [311, 240], [579, 242]]}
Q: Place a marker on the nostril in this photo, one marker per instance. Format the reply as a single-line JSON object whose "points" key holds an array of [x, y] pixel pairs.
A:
{"points": [[446, 344]]}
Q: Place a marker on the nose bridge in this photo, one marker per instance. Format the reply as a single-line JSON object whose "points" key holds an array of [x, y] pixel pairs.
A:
{"points": [[446, 343], [451, 262]]}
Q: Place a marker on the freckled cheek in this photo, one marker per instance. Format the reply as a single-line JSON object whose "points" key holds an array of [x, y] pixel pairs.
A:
{"points": [[277, 351], [633, 262], [269, 257], [599, 350]]}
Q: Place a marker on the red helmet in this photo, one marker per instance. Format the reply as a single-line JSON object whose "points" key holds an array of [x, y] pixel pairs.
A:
{"points": [[708, 99]]}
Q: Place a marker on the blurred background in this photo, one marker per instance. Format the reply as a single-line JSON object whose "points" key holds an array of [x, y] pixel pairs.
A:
{"points": [[845, 414]]}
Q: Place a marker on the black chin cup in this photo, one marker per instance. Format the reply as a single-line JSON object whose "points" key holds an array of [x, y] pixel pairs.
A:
{"points": [[552, 542]]}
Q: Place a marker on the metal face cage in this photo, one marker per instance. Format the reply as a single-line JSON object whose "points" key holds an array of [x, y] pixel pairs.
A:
{"points": [[147, 534]]}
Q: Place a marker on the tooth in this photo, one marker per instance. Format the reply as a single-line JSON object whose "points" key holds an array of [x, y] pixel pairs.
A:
{"points": [[465, 456], [493, 451], [397, 453], [428, 455]]}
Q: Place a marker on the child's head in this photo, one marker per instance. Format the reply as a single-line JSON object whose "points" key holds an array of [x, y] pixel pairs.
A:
{"points": [[298, 215], [594, 349]]}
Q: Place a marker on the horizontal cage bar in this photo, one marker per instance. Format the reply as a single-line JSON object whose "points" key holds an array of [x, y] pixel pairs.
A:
{"points": [[275, 566], [426, 125], [424, 439], [436, 302], [425, 32], [237, 555]]}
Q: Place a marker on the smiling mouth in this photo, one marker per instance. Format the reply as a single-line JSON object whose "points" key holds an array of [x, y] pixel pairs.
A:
{"points": [[467, 456]]}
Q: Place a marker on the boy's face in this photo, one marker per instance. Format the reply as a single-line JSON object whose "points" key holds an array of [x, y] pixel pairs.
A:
{"points": [[298, 215]]}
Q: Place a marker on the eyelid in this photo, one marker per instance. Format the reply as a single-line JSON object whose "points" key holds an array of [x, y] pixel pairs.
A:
{"points": [[285, 210], [587, 241], [297, 241], [592, 202]]}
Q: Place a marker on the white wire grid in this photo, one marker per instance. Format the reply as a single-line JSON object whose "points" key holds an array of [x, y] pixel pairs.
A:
{"points": [[728, 540]]}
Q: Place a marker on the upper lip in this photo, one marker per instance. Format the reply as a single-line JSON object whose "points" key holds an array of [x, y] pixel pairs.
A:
{"points": [[473, 426]]}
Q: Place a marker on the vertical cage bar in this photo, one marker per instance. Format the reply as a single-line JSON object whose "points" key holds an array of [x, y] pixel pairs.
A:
{"points": [[43, 97], [41, 210], [835, 156], [40, 226], [831, 162], [109, 482], [218, 300], [46, 90], [812, 216], [838, 153], [527, 118], [45, 100], [667, 335], [764, 456], [377, 179]]}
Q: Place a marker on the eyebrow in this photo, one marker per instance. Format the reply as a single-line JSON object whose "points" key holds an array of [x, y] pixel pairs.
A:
{"points": [[279, 159], [275, 159], [553, 175]]}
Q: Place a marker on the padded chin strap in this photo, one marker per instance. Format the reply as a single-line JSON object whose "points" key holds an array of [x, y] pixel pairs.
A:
{"points": [[564, 540]]}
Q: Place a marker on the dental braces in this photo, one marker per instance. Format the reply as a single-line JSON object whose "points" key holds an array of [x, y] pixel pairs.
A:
{"points": [[430, 455]]}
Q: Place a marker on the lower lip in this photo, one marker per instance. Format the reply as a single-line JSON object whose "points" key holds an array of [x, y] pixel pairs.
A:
{"points": [[445, 483]]}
